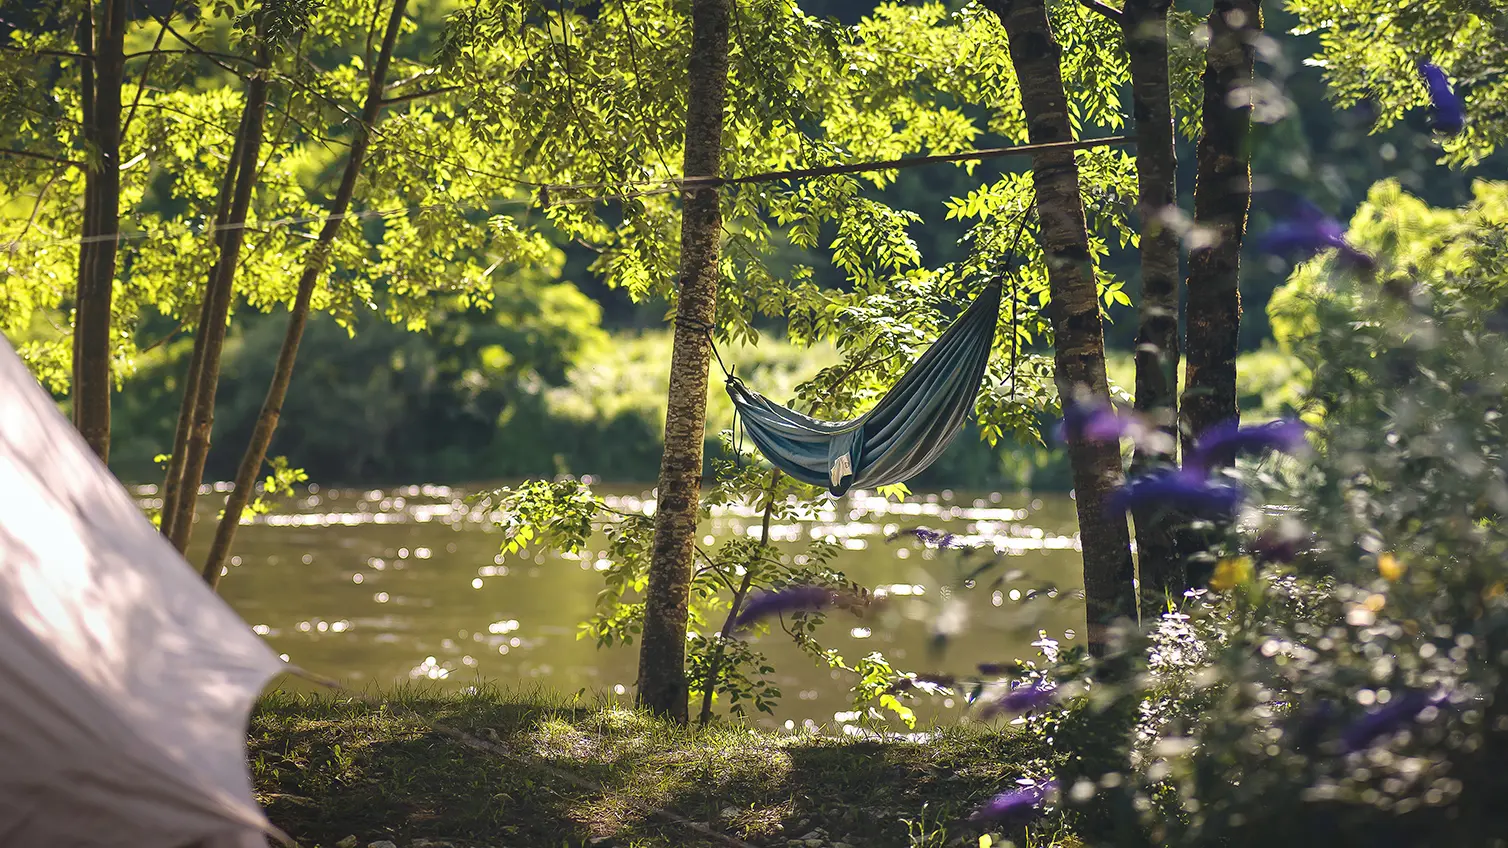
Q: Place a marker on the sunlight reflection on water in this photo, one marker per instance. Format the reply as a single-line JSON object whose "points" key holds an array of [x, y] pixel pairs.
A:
{"points": [[373, 587]]}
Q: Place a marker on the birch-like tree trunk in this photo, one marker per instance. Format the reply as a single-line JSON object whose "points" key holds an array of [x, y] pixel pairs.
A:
{"points": [[172, 486], [101, 78], [1079, 345], [1145, 25], [198, 407], [1222, 195], [662, 685], [298, 316]]}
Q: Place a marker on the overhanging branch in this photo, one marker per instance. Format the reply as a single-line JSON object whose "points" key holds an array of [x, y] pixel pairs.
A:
{"points": [[1110, 12], [41, 157]]}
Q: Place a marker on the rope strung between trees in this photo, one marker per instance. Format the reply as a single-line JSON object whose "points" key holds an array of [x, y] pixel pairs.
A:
{"points": [[630, 189]]}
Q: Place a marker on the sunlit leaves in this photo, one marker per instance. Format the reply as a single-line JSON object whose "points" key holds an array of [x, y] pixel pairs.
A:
{"points": [[1370, 50]]}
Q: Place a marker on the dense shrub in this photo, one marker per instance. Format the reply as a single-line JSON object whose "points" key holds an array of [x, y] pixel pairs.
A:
{"points": [[1341, 682]]}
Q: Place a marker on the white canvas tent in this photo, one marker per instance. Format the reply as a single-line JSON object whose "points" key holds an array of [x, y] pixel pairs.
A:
{"points": [[125, 683]]}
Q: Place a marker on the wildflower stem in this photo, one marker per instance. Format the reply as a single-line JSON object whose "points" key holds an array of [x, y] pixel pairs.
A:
{"points": [[714, 665]]}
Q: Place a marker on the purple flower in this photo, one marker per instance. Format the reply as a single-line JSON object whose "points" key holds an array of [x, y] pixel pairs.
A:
{"points": [[1305, 231], [1224, 442], [1386, 719], [1026, 801], [1447, 112], [936, 538], [1186, 490], [1021, 699], [1098, 421], [791, 599]]}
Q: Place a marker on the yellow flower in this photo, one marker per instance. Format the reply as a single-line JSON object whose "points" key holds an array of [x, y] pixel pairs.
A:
{"points": [[1390, 567], [1230, 572]]}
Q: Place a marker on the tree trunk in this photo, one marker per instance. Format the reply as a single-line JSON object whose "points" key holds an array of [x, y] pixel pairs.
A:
{"points": [[209, 341], [100, 95], [298, 315], [172, 486], [1074, 310], [1145, 24], [662, 686], [1222, 193]]}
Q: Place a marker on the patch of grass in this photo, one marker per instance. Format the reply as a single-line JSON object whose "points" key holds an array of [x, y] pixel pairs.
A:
{"points": [[496, 768]]}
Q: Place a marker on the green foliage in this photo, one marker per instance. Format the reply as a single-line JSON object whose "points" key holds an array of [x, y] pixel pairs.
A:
{"points": [[413, 243], [1370, 50], [566, 514], [1354, 694], [279, 483]]}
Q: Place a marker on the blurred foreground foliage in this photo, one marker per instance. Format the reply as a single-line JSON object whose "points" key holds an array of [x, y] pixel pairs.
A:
{"points": [[1342, 681]]}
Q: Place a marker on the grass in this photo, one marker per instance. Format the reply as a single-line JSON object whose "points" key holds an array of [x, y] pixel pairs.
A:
{"points": [[533, 769]]}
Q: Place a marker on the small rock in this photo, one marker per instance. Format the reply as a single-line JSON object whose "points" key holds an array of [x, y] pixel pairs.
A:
{"points": [[815, 843], [728, 812], [816, 834], [348, 842], [422, 842], [382, 843], [600, 840], [840, 845]]}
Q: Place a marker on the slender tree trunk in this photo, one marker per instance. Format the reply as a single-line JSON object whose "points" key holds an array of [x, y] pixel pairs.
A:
{"points": [[209, 341], [1145, 24], [314, 267], [715, 664], [1222, 194], [1109, 590], [172, 486], [662, 686], [100, 90]]}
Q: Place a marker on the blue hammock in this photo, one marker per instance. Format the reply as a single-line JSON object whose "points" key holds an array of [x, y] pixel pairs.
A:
{"points": [[903, 434]]}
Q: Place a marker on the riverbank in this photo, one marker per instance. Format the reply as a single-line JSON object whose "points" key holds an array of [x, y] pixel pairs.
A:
{"points": [[523, 769]]}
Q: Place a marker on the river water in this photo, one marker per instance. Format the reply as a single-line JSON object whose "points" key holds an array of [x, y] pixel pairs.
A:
{"points": [[377, 587]]}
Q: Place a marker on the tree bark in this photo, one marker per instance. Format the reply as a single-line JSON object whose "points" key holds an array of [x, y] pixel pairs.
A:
{"points": [[1074, 311], [209, 341], [1145, 24], [662, 686], [100, 93], [172, 486], [298, 315], [1222, 194]]}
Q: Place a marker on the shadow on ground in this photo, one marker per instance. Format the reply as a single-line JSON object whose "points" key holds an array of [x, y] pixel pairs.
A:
{"points": [[513, 771]]}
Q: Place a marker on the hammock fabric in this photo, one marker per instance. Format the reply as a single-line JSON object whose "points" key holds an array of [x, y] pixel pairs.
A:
{"points": [[903, 434]]}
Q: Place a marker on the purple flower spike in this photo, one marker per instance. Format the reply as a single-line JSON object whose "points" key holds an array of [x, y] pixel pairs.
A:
{"points": [[1186, 490], [1447, 111], [1223, 443], [1096, 421], [1021, 699], [927, 536], [792, 599], [1380, 722], [1305, 232], [1017, 803]]}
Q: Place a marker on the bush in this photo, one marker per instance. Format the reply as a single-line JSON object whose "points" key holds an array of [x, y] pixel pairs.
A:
{"points": [[1341, 682]]}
